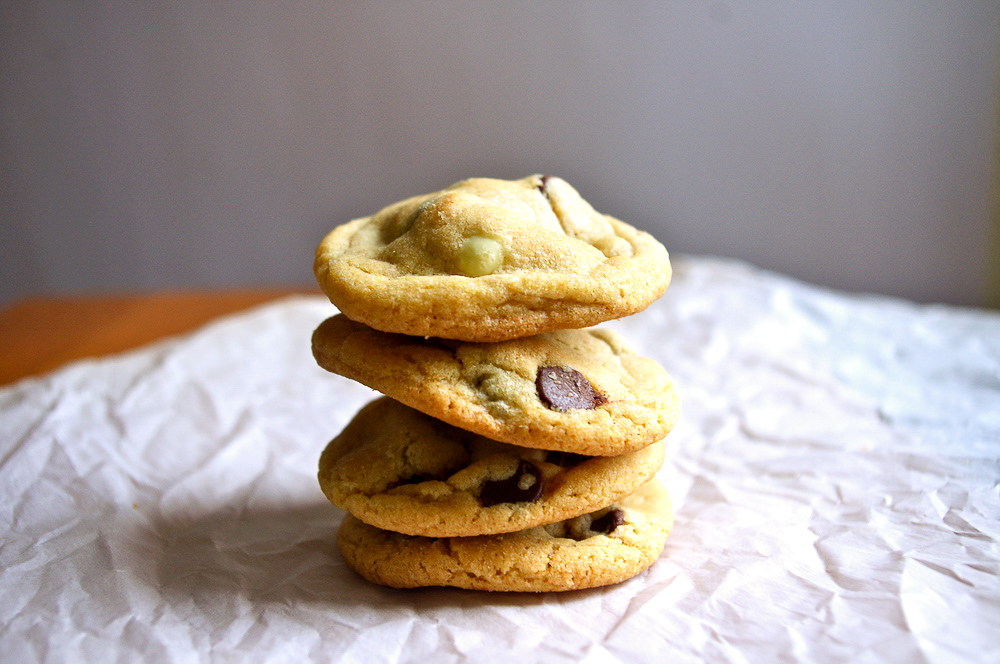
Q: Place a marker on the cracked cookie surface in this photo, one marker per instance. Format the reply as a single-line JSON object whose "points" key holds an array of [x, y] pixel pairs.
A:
{"points": [[488, 260], [398, 469], [492, 389], [609, 546]]}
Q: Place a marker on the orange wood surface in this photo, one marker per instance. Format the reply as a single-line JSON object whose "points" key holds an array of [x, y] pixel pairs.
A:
{"points": [[41, 334]]}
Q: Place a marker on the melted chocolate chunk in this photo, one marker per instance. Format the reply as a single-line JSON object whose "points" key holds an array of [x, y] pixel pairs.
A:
{"points": [[524, 486], [565, 459], [542, 187], [562, 388], [606, 524]]}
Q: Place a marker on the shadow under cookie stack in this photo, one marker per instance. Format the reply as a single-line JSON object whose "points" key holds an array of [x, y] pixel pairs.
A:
{"points": [[516, 446]]}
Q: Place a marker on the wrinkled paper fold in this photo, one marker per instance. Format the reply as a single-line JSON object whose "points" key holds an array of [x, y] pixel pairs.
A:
{"points": [[835, 478]]}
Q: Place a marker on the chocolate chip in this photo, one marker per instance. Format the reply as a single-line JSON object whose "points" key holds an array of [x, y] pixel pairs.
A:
{"points": [[563, 388], [524, 486], [565, 459], [545, 182], [608, 522]]}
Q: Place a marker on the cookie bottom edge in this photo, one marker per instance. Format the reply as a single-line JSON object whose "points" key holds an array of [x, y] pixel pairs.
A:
{"points": [[533, 560]]}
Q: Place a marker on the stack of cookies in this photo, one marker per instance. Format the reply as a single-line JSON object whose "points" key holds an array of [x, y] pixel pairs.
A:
{"points": [[515, 447]]}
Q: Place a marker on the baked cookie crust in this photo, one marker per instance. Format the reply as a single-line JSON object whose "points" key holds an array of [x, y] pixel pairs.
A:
{"points": [[569, 555], [398, 469], [489, 260], [494, 389]]}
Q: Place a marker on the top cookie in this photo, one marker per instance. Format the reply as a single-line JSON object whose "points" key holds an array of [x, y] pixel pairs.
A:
{"points": [[490, 260]]}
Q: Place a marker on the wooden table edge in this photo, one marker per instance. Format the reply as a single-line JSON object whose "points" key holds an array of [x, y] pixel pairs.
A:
{"points": [[40, 334]]}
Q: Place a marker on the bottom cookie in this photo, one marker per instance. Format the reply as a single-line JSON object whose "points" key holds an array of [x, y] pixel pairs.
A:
{"points": [[598, 549]]}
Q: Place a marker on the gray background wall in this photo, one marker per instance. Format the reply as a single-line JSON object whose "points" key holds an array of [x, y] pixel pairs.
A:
{"points": [[174, 143]]}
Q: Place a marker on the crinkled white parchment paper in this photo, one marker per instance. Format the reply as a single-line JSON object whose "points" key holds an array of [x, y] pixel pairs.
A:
{"points": [[835, 475]]}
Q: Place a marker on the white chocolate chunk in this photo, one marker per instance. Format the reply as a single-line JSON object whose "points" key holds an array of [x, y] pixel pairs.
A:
{"points": [[479, 256]]}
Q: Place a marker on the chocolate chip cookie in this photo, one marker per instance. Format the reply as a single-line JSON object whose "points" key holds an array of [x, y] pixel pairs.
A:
{"points": [[398, 469], [578, 391], [489, 260], [608, 546]]}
